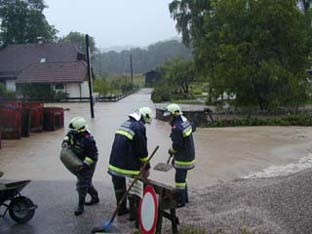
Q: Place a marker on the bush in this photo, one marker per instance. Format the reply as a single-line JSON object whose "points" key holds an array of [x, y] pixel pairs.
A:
{"points": [[291, 120], [5, 93], [161, 94]]}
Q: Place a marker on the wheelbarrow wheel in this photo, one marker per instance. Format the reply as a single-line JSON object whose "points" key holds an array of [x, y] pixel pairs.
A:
{"points": [[21, 209]]}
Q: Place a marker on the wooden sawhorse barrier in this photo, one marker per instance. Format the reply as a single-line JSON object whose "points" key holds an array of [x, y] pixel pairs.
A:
{"points": [[167, 201]]}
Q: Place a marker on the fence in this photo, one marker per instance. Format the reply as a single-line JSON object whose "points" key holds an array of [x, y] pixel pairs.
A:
{"points": [[204, 116]]}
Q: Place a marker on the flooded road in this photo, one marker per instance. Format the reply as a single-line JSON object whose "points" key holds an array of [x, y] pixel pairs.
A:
{"points": [[222, 153]]}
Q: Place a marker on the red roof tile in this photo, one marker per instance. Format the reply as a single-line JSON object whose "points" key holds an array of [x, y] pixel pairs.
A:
{"points": [[57, 72], [14, 58]]}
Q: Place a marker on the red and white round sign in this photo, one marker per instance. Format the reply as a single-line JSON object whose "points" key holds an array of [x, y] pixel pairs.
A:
{"points": [[148, 211]]}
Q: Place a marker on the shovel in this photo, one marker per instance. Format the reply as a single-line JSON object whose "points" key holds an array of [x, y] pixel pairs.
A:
{"points": [[164, 166]]}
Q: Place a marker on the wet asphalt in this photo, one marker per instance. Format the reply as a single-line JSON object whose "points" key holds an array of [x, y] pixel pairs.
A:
{"points": [[56, 202]]}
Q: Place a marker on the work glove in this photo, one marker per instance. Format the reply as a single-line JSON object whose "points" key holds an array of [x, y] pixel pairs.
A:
{"points": [[171, 151], [83, 167], [146, 173]]}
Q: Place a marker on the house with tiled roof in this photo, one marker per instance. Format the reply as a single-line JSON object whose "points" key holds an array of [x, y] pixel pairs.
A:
{"points": [[60, 65]]}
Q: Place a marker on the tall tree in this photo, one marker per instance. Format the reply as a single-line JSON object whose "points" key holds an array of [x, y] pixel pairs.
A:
{"points": [[79, 39], [256, 49], [189, 15], [179, 73], [23, 21]]}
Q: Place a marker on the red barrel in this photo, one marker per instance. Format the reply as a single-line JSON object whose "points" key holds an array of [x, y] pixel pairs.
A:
{"points": [[53, 118], [11, 120], [36, 115]]}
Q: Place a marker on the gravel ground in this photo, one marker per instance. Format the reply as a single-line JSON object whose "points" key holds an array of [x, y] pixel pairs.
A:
{"points": [[264, 205]]}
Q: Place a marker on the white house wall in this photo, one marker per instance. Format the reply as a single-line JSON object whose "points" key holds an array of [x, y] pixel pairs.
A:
{"points": [[75, 90], [85, 89], [10, 85]]}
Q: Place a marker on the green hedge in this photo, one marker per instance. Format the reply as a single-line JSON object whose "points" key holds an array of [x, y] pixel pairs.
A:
{"points": [[291, 120]]}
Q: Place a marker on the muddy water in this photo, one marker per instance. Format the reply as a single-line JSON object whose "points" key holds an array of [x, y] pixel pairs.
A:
{"points": [[222, 153]]}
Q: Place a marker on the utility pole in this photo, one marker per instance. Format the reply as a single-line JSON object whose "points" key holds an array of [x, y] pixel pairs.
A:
{"points": [[131, 69], [89, 75]]}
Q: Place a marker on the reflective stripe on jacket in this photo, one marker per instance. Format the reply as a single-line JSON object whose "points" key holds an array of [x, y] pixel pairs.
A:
{"points": [[84, 146], [129, 150], [182, 143]]}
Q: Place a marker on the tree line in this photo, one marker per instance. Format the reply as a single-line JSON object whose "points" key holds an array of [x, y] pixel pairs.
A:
{"points": [[143, 60]]}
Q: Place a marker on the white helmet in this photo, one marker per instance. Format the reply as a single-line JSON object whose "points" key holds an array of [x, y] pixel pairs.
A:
{"points": [[144, 112], [147, 114], [172, 109], [78, 123]]}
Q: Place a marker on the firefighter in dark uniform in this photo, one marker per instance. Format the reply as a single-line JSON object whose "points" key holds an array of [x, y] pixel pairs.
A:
{"points": [[182, 149], [128, 154], [82, 143]]}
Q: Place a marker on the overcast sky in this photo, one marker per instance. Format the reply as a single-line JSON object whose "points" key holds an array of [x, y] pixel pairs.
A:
{"points": [[113, 22]]}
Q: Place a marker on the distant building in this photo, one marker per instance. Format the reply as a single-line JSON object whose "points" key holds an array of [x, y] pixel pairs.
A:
{"points": [[59, 64], [151, 78]]}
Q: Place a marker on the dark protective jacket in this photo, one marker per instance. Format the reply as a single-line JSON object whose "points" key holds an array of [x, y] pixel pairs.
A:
{"points": [[182, 143], [129, 150], [84, 146]]}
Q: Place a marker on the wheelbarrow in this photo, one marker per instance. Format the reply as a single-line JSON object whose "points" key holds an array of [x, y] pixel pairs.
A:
{"points": [[20, 208]]}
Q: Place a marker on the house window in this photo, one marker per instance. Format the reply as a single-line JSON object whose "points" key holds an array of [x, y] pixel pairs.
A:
{"points": [[43, 60], [59, 86]]}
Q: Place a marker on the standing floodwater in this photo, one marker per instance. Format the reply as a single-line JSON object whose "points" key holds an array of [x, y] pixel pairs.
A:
{"points": [[222, 154]]}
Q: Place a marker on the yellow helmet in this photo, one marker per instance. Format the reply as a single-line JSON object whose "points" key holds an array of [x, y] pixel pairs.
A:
{"points": [[144, 112], [78, 123], [172, 109], [147, 114]]}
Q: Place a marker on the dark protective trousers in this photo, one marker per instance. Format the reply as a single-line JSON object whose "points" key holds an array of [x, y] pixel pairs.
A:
{"points": [[120, 188], [84, 183], [182, 194]]}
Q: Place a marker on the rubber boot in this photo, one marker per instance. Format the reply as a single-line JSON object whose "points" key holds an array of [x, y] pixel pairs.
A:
{"points": [[186, 195], [134, 206], [80, 208], [94, 196], [123, 207], [181, 198]]}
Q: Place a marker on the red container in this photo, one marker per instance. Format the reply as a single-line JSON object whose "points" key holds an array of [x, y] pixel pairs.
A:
{"points": [[11, 120], [53, 118], [26, 118], [36, 113]]}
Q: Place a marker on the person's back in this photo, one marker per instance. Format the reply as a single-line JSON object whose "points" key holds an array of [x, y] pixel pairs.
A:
{"points": [[130, 141], [182, 142]]}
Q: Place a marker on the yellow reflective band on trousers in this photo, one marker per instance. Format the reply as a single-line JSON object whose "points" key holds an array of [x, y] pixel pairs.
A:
{"points": [[88, 160], [124, 133], [180, 185], [182, 163], [122, 171], [187, 132], [144, 159]]}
